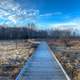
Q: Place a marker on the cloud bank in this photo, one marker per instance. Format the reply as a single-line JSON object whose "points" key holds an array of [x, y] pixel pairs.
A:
{"points": [[13, 12]]}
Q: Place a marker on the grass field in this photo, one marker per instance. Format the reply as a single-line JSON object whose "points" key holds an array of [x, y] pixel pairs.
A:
{"points": [[69, 56], [13, 54]]}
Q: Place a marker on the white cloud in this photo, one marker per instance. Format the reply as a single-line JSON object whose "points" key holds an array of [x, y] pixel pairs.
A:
{"points": [[14, 12], [12, 18], [73, 24], [51, 14]]}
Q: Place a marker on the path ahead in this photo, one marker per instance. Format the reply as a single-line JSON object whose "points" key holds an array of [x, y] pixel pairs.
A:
{"points": [[41, 66]]}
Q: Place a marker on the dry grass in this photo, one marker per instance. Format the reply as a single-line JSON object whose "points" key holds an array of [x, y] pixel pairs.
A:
{"points": [[13, 57], [69, 56]]}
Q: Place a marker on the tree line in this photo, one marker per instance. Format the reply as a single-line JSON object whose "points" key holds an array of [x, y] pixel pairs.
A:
{"points": [[20, 33], [32, 32]]}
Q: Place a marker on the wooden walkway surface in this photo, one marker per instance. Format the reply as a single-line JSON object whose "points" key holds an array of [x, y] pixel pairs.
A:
{"points": [[42, 66]]}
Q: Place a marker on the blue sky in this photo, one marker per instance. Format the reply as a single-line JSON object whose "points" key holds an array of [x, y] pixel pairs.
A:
{"points": [[44, 13]]}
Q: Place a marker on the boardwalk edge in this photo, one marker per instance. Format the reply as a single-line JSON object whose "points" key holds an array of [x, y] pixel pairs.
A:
{"points": [[66, 75]]}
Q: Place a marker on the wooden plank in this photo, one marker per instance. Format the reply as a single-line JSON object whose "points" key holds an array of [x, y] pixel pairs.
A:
{"points": [[42, 66]]}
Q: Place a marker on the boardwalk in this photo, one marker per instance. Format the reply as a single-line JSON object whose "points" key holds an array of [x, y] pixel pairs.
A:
{"points": [[42, 66]]}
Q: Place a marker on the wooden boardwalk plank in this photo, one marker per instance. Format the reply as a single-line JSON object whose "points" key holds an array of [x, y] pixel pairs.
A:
{"points": [[42, 66]]}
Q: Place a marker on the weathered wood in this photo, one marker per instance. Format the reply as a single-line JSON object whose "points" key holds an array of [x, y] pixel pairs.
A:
{"points": [[42, 66]]}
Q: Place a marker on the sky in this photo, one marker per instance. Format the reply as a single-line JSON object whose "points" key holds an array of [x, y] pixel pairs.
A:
{"points": [[44, 13]]}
